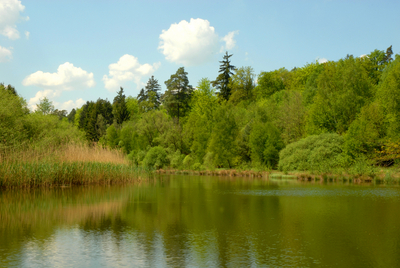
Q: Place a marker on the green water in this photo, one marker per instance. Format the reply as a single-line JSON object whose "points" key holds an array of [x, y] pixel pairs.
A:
{"points": [[191, 221]]}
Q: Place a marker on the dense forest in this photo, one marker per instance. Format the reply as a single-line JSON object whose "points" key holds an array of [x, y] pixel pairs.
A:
{"points": [[317, 117]]}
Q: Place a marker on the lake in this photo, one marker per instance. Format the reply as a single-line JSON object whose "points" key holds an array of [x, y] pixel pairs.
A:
{"points": [[201, 221]]}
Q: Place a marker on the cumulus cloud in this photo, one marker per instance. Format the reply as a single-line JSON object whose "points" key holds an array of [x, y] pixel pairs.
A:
{"points": [[189, 43], [51, 95], [5, 54], [127, 68], [48, 93], [322, 60], [27, 34], [67, 77], [69, 105], [9, 16], [229, 40]]}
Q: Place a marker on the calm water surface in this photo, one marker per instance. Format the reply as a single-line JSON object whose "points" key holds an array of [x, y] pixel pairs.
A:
{"points": [[189, 221]]}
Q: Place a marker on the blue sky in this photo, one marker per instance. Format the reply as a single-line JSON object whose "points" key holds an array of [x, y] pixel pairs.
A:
{"points": [[77, 51]]}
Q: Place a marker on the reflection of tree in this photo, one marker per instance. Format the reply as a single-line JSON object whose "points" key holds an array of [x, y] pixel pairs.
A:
{"points": [[207, 222]]}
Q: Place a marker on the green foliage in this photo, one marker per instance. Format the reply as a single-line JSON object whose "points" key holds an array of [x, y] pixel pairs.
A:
{"points": [[200, 120], [222, 143], [112, 136], [150, 99], [388, 94], [269, 83], [265, 143], [366, 132], [222, 81], [291, 116], [313, 153], [45, 106], [242, 84], [176, 159], [13, 112], [120, 110], [177, 97], [343, 89], [156, 158], [132, 104], [188, 162]]}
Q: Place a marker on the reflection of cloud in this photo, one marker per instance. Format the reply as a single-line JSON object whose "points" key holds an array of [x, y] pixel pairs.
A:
{"points": [[5, 54], [68, 77], [189, 43], [9, 16], [126, 69]]}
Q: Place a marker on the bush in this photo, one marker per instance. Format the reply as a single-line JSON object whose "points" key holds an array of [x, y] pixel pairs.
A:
{"points": [[176, 159], [313, 153], [188, 161], [156, 157], [197, 166]]}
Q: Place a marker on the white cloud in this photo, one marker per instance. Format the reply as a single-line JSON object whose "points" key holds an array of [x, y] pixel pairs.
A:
{"points": [[5, 54], [68, 77], [48, 93], [229, 40], [189, 43], [9, 16], [69, 105], [322, 60], [127, 68], [51, 95], [27, 34]]}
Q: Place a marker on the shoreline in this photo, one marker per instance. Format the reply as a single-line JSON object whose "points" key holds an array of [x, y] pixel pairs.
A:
{"points": [[384, 175]]}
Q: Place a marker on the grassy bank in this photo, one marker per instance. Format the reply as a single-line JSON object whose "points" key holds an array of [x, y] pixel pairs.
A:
{"points": [[354, 174], [66, 166]]}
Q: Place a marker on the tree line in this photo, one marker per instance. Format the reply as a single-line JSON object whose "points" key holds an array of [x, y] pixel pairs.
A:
{"points": [[244, 120]]}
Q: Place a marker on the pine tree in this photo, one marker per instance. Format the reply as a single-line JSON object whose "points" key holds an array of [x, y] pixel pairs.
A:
{"points": [[153, 87], [222, 81], [177, 97], [120, 110]]}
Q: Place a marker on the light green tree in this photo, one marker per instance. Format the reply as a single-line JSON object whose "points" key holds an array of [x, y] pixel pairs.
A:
{"points": [[343, 89], [198, 127], [242, 84], [222, 145], [45, 106]]}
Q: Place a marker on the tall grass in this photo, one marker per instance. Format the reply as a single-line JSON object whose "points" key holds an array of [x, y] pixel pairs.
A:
{"points": [[69, 164]]}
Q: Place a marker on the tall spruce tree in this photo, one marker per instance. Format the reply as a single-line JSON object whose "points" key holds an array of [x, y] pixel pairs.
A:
{"points": [[149, 99], [176, 99], [222, 81], [120, 110]]}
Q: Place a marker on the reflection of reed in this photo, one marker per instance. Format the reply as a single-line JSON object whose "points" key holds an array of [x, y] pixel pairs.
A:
{"points": [[61, 216]]}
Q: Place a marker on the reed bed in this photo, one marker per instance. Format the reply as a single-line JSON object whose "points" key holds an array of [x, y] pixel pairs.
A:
{"points": [[70, 164], [50, 174]]}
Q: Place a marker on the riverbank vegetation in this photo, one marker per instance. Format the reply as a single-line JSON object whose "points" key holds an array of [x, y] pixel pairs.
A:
{"points": [[325, 117]]}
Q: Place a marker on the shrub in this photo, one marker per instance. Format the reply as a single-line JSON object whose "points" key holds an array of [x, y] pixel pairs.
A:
{"points": [[197, 166], [156, 157], [313, 153], [188, 161], [176, 159]]}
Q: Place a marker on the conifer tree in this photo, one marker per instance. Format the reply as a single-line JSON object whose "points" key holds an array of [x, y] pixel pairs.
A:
{"points": [[120, 110], [222, 81], [177, 97]]}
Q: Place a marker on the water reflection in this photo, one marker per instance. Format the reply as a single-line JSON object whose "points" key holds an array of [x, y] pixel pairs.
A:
{"points": [[183, 221]]}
